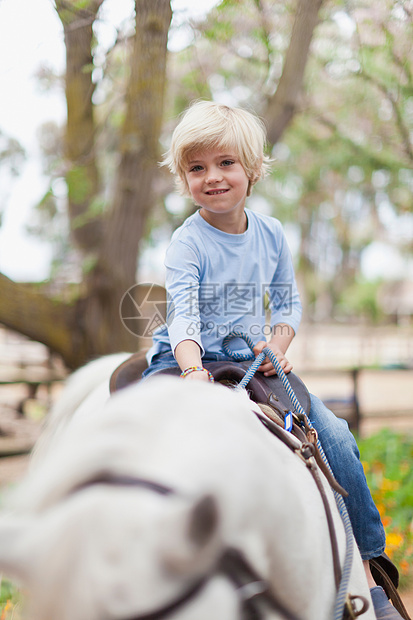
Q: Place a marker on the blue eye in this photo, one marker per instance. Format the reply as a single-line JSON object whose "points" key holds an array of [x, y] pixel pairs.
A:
{"points": [[196, 168], [227, 162]]}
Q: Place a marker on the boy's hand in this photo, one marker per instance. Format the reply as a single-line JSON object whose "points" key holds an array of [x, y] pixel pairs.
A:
{"points": [[266, 367]]}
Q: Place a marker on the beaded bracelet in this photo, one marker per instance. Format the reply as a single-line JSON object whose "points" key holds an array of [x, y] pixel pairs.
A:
{"points": [[188, 371]]}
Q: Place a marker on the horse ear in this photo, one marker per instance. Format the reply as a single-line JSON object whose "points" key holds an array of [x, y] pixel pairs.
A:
{"points": [[16, 559], [195, 540], [203, 520]]}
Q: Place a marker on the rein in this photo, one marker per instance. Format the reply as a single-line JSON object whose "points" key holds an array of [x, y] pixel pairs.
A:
{"points": [[252, 590], [344, 602], [123, 480]]}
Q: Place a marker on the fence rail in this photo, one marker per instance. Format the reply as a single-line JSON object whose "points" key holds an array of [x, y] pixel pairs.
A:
{"points": [[364, 395]]}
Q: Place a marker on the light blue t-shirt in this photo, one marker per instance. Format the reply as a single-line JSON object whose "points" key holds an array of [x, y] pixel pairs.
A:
{"points": [[218, 282]]}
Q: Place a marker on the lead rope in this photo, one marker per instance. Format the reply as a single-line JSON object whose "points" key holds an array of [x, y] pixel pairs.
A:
{"points": [[341, 598]]}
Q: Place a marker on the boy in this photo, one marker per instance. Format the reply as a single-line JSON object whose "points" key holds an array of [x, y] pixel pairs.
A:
{"points": [[220, 265]]}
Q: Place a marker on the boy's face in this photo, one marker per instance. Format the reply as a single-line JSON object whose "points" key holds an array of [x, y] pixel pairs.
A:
{"points": [[217, 182]]}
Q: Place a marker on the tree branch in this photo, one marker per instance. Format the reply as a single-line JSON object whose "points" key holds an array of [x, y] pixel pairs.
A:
{"points": [[282, 106], [403, 129], [359, 150], [266, 34], [26, 309]]}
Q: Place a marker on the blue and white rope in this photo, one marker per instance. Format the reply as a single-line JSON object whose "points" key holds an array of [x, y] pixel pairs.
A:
{"points": [[267, 352]]}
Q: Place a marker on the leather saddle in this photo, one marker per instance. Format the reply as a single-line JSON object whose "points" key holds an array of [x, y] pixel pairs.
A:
{"points": [[268, 390]]}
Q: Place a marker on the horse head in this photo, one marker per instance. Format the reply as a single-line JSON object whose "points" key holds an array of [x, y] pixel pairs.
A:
{"points": [[117, 551]]}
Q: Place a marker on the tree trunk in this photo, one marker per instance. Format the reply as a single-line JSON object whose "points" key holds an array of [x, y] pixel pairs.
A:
{"points": [[115, 270], [139, 145], [82, 175], [92, 325], [283, 104]]}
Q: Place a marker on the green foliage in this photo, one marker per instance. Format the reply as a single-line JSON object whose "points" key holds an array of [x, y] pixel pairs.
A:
{"points": [[12, 154], [9, 600], [82, 4], [89, 68], [95, 209], [7, 591], [47, 205], [88, 264], [387, 458], [360, 300], [78, 184]]}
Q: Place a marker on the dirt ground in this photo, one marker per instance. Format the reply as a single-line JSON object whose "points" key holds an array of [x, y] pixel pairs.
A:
{"points": [[407, 598], [16, 435]]}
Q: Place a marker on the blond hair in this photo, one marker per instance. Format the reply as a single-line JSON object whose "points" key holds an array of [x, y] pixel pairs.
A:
{"points": [[206, 125]]}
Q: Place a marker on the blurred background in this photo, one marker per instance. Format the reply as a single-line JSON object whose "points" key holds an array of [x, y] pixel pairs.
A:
{"points": [[91, 91]]}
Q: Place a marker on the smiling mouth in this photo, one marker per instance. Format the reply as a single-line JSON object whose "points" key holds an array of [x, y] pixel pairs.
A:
{"points": [[214, 192]]}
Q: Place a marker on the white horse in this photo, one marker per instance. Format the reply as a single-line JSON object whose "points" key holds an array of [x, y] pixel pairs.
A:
{"points": [[82, 388], [135, 508]]}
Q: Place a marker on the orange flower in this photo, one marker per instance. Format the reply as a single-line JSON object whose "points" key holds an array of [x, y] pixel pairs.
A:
{"points": [[404, 567], [386, 521], [389, 485], [6, 609], [381, 508], [394, 540], [366, 466]]}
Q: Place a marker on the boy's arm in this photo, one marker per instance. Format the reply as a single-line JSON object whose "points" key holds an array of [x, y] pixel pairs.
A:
{"points": [[183, 274], [187, 353], [284, 300], [279, 343]]}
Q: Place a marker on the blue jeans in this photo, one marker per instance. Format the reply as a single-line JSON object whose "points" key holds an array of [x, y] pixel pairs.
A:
{"points": [[343, 455]]}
